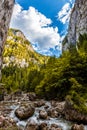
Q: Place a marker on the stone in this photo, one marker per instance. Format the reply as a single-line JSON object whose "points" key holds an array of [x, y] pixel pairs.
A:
{"points": [[72, 114], [43, 114], [52, 113], [59, 106], [2, 119], [54, 127], [32, 96], [77, 24], [32, 125], [43, 126], [39, 103], [77, 127], [24, 111], [7, 123], [6, 8]]}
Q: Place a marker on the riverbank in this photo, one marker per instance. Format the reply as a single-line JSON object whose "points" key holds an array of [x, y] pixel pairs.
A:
{"points": [[28, 112]]}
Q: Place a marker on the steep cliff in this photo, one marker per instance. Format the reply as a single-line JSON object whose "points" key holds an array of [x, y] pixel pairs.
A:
{"points": [[77, 24], [6, 7], [18, 51]]}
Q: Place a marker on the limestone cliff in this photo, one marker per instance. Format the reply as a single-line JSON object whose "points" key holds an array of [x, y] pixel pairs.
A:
{"points": [[77, 24], [6, 7], [19, 52]]}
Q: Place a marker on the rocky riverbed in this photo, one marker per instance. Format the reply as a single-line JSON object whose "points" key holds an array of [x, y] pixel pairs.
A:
{"points": [[21, 111]]}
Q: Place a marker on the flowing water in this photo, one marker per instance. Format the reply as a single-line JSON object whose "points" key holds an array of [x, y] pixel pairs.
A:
{"points": [[65, 125]]}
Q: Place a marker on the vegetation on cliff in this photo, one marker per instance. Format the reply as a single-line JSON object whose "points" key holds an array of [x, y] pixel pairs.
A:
{"points": [[59, 78]]}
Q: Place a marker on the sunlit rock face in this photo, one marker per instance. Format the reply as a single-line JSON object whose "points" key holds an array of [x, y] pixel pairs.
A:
{"points": [[78, 22], [6, 7]]}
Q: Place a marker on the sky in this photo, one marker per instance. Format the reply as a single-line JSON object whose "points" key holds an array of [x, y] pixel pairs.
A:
{"points": [[44, 23]]}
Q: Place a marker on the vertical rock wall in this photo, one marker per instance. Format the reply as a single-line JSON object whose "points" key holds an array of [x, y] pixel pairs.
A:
{"points": [[78, 22], [6, 7]]}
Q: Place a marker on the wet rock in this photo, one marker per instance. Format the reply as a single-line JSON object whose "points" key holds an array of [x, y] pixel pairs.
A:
{"points": [[32, 125], [77, 127], [52, 113], [2, 119], [8, 97], [24, 111], [43, 114], [32, 96], [59, 106], [54, 127], [43, 126], [7, 123], [39, 103], [1, 97]]}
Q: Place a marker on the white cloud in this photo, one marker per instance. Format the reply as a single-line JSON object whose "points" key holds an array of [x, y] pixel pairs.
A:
{"points": [[64, 14], [36, 27]]}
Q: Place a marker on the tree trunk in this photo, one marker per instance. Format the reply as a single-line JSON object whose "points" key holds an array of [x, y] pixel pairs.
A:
{"points": [[6, 8]]}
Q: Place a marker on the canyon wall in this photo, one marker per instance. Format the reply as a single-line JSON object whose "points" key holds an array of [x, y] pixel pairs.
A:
{"points": [[6, 8], [77, 24]]}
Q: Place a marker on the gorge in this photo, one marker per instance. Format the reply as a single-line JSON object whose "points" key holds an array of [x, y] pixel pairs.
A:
{"points": [[42, 92]]}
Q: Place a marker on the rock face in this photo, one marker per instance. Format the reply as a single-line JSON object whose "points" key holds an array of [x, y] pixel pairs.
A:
{"points": [[6, 7], [77, 24], [72, 114]]}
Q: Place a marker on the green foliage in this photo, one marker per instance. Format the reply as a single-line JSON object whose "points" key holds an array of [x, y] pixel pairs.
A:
{"points": [[77, 102], [49, 77]]}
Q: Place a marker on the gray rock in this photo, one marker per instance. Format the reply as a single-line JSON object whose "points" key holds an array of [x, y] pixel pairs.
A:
{"points": [[77, 127], [77, 24], [31, 125], [43, 114], [6, 7], [43, 126], [24, 111]]}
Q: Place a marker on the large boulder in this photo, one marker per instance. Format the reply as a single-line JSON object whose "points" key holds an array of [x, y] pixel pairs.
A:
{"points": [[43, 114], [24, 111], [32, 125], [74, 115], [77, 127]]}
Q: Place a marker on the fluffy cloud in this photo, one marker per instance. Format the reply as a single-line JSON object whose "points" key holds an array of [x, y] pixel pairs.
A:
{"points": [[36, 27], [64, 14]]}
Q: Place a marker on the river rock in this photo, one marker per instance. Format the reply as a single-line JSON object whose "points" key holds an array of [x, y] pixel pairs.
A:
{"points": [[43, 126], [39, 103], [2, 119], [54, 127], [32, 125], [43, 114], [77, 127], [24, 111], [7, 123], [52, 113], [32, 96], [59, 106]]}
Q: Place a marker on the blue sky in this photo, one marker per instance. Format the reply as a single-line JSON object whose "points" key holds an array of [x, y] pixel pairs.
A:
{"points": [[43, 22]]}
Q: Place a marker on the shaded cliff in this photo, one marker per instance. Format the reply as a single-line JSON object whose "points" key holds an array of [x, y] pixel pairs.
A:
{"points": [[6, 7], [77, 24]]}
